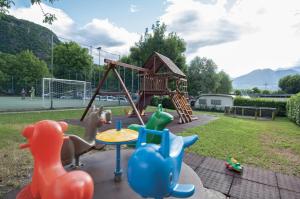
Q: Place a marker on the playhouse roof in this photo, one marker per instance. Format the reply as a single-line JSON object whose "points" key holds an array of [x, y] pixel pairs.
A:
{"points": [[158, 60]]}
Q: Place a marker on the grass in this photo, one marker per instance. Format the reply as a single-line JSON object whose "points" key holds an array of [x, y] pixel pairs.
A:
{"points": [[272, 145], [16, 164]]}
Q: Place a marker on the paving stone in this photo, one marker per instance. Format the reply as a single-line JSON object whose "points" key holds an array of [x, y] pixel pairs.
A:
{"points": [[212, 194], [214, 180], [259, 175], [285, 194], [218, 166], [291, 183], [193, 160], [245, 189]]}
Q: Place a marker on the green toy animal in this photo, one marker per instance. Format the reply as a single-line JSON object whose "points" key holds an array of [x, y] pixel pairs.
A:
{"points": [[158, 121]]}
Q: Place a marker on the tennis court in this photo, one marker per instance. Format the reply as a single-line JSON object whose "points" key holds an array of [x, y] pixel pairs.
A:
{"points": [[37, 103]]}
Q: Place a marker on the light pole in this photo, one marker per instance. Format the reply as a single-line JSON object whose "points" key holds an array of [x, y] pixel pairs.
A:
{"points": [[51, 81], [99, 50]]}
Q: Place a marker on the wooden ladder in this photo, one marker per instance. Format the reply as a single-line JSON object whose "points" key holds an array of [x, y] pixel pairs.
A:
{"points": [[183, 107]]}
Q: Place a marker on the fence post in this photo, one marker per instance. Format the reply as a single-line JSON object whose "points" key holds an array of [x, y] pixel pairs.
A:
{"points": [[255, 113], [273, 115]]}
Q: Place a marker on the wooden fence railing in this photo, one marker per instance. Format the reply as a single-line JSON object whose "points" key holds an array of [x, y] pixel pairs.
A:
{"points": [[262, 112]]}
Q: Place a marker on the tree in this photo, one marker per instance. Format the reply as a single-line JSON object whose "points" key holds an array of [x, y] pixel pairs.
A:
{"points": [[28, 70], [202, 76], [238, 92], [266, 92], [169, 45], [225, 83], [72, 61], [256, 90], [7, 4], [290, 84]]}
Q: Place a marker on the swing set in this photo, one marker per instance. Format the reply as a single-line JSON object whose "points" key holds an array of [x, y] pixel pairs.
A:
{"points": [[156, 77]]}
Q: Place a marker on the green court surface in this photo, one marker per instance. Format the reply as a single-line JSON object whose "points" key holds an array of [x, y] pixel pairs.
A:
{"points": [[37, 103]]}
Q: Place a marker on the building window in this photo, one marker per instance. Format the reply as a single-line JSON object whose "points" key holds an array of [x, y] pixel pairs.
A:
{"points": [[215, 102], [202, 101]]}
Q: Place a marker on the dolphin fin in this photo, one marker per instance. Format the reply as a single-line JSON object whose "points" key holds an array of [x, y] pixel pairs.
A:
{"points": [[189, 140], [183, 190]]}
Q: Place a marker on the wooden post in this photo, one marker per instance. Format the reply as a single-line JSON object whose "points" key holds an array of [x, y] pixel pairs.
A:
{"points": [[255, 113], [96, 93], [242, 111], [128, 96], [259, 111], [273, 114]]}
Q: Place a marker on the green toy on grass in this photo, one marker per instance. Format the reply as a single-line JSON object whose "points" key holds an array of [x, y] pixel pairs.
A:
{"points": [[233, 164], [158, 121]]}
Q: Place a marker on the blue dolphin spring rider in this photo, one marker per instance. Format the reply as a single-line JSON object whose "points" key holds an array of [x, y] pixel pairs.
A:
{"points": [[154, 170]]}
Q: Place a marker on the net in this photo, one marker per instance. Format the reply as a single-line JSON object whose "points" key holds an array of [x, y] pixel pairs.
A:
{"points": [[66, 92]]}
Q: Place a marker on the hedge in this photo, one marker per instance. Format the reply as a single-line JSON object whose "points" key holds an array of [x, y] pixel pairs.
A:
{"points": [[165, 101], [258, 102], [293, 108]]}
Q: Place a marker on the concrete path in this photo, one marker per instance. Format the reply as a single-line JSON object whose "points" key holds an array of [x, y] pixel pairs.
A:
{"points": [[174, 126]]}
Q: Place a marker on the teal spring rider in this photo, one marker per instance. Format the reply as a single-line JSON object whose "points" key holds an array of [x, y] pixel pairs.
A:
{"points": [[154, 170]]}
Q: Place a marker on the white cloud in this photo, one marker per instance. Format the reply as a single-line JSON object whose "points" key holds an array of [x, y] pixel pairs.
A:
{"points": [[133, 8], [239, 35], [108, 35], [98, 32]]}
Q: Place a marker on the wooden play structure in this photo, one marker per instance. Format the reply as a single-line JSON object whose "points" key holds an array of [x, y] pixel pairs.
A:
{"points": [[159, 76]]}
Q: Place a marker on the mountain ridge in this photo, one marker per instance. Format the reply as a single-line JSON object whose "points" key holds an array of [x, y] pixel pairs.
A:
{"points": [[17, 35], [263, 78]]}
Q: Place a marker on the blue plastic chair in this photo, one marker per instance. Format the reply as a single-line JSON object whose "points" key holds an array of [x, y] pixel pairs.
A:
{"points": [[154, 170]]}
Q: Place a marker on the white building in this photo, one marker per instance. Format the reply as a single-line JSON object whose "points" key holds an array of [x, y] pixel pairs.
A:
{"points": [[216, 101]]}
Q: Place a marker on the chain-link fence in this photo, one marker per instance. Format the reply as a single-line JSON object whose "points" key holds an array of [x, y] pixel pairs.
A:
{"points": [[20, 93]]}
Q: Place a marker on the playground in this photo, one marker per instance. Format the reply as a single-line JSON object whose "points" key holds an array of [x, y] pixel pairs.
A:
{"points": [[16, 168], [143, 151]]}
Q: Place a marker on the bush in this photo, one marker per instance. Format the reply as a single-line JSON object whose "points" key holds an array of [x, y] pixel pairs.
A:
{"points": [[293, 108], [155, 101], [165, 101], [257, 102], [210, 108]]}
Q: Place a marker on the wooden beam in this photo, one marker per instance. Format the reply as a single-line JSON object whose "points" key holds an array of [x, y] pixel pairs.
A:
{"points": [[108, 61], [128, 96], [96, 92]]}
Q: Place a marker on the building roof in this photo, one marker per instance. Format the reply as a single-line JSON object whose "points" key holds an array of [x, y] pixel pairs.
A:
{"points": [[217, 95], [158, 60]]}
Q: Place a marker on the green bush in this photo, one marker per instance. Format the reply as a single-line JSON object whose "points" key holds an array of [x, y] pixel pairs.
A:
{"points": [[293, 108], [210, 109], [155, 101], [165, 101], [257, 102]]}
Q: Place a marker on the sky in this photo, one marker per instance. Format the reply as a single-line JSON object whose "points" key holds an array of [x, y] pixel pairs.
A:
{"points": [[239, 35]]}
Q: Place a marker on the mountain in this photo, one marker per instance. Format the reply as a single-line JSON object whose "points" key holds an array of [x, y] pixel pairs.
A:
{"points": [[17, 35], [263, 78]]}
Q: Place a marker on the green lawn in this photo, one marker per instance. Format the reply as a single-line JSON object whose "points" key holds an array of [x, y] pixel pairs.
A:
{"points": [[273, 145]]}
